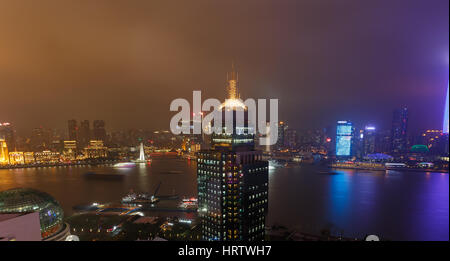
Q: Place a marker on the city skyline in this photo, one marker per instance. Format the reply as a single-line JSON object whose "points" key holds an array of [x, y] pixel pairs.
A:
{"points": [[242, 121], [131, 73], [350, 142], [61, 129]]}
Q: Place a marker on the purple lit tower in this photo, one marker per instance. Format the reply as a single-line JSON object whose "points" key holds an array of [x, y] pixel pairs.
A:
{"points": [[445, 126]]}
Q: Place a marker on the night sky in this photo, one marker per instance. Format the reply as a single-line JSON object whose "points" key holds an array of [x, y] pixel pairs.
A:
{"points": [[125, 61]]}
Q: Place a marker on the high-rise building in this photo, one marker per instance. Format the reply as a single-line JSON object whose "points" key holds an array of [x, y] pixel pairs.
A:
{"points": [[358, 144], [399, 131], [344, 139], [8, 133], [232, 181], [40, 139], [99, 130], [282, 128], [85, 133], [445, 125], [369, 140], [312, 139], [383, 143], [73, 129], [290, 139]]}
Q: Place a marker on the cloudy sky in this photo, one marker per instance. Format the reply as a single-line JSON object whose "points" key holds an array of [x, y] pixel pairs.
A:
{"points": [[125, 61]]}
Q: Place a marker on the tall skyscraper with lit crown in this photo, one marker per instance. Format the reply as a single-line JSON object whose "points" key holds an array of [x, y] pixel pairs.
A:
{"points": [[232, 181]]}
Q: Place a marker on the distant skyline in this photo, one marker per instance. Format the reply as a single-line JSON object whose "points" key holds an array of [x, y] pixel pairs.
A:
{"points": [[125, 61]]}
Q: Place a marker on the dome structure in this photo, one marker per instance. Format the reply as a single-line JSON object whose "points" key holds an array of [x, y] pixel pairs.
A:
{"points": [[19, 200], [419, 149]]}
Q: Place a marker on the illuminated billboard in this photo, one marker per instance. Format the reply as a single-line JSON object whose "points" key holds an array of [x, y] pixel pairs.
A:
{"points": [[344, 136]]}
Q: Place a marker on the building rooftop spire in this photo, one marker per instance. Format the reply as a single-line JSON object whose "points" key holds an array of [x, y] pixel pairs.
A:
{"points": [[232, 78], [234, 99]]}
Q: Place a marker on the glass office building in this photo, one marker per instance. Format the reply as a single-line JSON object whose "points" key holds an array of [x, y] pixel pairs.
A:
{"points": [[344, 139], [232, 183], [399, 131]]}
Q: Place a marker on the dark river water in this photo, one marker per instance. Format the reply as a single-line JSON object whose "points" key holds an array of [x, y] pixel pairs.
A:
{"points": [[394, 205]]}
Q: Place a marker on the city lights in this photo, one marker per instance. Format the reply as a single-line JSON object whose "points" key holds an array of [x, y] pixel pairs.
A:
{"points": [[258, 125]]}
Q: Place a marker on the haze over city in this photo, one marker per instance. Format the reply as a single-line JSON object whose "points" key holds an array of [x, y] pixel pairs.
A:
{"points": [[104, 135], [323, 60]]}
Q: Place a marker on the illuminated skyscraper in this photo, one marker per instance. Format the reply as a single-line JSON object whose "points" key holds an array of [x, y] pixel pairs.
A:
{"points": [[282, 129], [232, 181], [369, 140], [344, 139], [399, 131], [445, 127]]}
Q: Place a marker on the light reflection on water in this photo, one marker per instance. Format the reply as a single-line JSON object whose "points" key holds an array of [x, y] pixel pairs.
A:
{"points": [[394, 205]]}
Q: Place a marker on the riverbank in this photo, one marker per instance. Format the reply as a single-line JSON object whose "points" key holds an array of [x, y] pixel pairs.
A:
{"points": [[60, 164], [380, 167]]}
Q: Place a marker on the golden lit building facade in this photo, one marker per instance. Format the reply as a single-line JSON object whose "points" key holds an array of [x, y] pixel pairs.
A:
{"points": [[232, 180], [70, 150], [4, 155], [95, 150], [16, 158], [47, 156], [28, 157]]}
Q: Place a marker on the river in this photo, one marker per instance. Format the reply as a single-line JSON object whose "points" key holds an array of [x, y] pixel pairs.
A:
{"points": [[395, 205]]}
